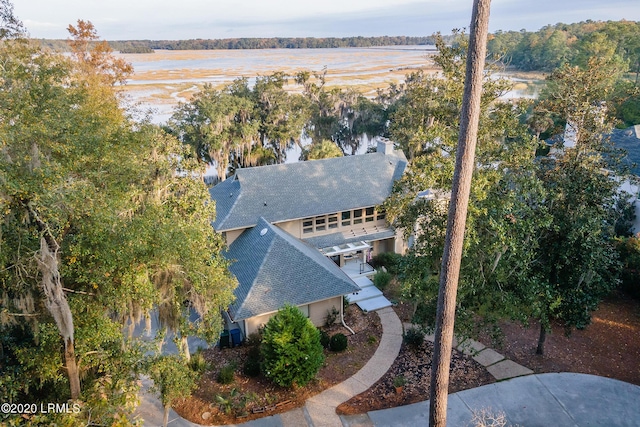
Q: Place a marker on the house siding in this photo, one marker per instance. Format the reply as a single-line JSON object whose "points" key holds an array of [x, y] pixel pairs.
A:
{"points": [[317, 315]]}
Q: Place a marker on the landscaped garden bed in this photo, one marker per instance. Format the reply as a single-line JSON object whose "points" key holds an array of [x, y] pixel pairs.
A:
{"points": [[246, 398]]}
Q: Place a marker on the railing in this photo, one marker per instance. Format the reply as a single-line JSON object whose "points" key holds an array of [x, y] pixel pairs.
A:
{"points": [[365, 268]]}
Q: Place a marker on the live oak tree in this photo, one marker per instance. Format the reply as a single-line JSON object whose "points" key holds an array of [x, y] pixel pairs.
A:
{"points": [[103, 220], [343, 116], [323, 149], [242, 126]]}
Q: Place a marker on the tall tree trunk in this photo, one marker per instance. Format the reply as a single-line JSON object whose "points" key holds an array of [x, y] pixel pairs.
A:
{"points": [[58, 306], [184, 348], [452, 256], [541, 339], [72, 369]]}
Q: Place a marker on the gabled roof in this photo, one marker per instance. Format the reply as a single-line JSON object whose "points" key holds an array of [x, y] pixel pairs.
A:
{"points": [[274, 268], [298, 190]]}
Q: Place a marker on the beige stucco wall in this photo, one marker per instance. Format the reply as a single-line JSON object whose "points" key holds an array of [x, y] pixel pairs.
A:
{"points": [[317, 315], [318, 311], [292, 227], [232, 235]]}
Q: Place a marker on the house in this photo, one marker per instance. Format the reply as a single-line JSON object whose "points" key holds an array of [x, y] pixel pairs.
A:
{"points": [[301, 233]]}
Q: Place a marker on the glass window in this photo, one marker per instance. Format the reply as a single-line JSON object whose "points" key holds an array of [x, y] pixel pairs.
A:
{"points": [[357, 213], [369, 211], [346, 215]]}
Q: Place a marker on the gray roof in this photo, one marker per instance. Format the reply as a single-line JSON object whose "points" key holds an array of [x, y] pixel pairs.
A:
{"points": [[629, 140], [298, 190], [274, 268], [336, 239]]}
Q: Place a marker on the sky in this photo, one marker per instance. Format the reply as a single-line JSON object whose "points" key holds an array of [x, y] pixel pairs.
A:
{"points": [[209, 19]]}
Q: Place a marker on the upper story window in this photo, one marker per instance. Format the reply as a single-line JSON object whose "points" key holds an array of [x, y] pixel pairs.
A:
{"points": [[344, 219]]}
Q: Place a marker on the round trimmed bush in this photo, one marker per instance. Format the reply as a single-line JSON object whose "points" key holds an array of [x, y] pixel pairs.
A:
{"points": [[413, 337], [291, 350], [338, 342]]}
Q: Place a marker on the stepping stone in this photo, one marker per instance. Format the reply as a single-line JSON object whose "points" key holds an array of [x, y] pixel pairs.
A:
{"points": [[508, 369], [488, 357], [471, 347]]}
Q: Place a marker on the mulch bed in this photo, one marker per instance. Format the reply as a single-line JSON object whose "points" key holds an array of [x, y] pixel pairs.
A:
{"points": [[248, 398]]}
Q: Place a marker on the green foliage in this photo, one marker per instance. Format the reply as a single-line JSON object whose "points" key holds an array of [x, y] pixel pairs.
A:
{"points": [[629, 252], [391, 261], [321, 150], [198, 363], [555, 45], [172, 379], [499, 243], [399, 381], [128, 234], [338, 342], [264, 43], [413, 337], [251, 366], [291, 349], [382, 280], [332, 316], [324, 339], [226, 374]]}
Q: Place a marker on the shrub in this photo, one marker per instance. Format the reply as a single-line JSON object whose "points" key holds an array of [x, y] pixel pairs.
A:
{"points": [[251, 367], [324, 339], [332, 316], [338, 342], [382, 280], [198, 362], [254, 339], [225, 376], [389, 260], [413, 337], [291, 350]]}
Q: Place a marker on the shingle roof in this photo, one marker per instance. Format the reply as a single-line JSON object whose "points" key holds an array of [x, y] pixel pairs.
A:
{"points": [[298, 190], [629, 140], [336, 239], [274, 268]]}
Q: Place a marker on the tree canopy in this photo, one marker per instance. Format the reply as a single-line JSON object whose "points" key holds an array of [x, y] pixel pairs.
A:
{"points": [[104, 220]]}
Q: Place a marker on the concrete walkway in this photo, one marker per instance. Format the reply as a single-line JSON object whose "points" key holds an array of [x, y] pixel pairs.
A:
{"points": [[320, 410], [564, 399], [543, 400]]}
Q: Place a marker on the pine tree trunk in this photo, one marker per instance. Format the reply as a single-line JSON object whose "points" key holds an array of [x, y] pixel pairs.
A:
{"points": [[541, 339], [72, 369], [452, 256]]}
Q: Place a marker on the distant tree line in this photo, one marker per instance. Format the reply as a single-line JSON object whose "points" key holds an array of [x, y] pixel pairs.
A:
{"points": [[555, 45], [146, 46]]}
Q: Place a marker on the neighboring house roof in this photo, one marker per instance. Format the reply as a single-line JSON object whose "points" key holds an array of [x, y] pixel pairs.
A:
{"points": [[274, 268], [298, 190], [629, 140]]}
